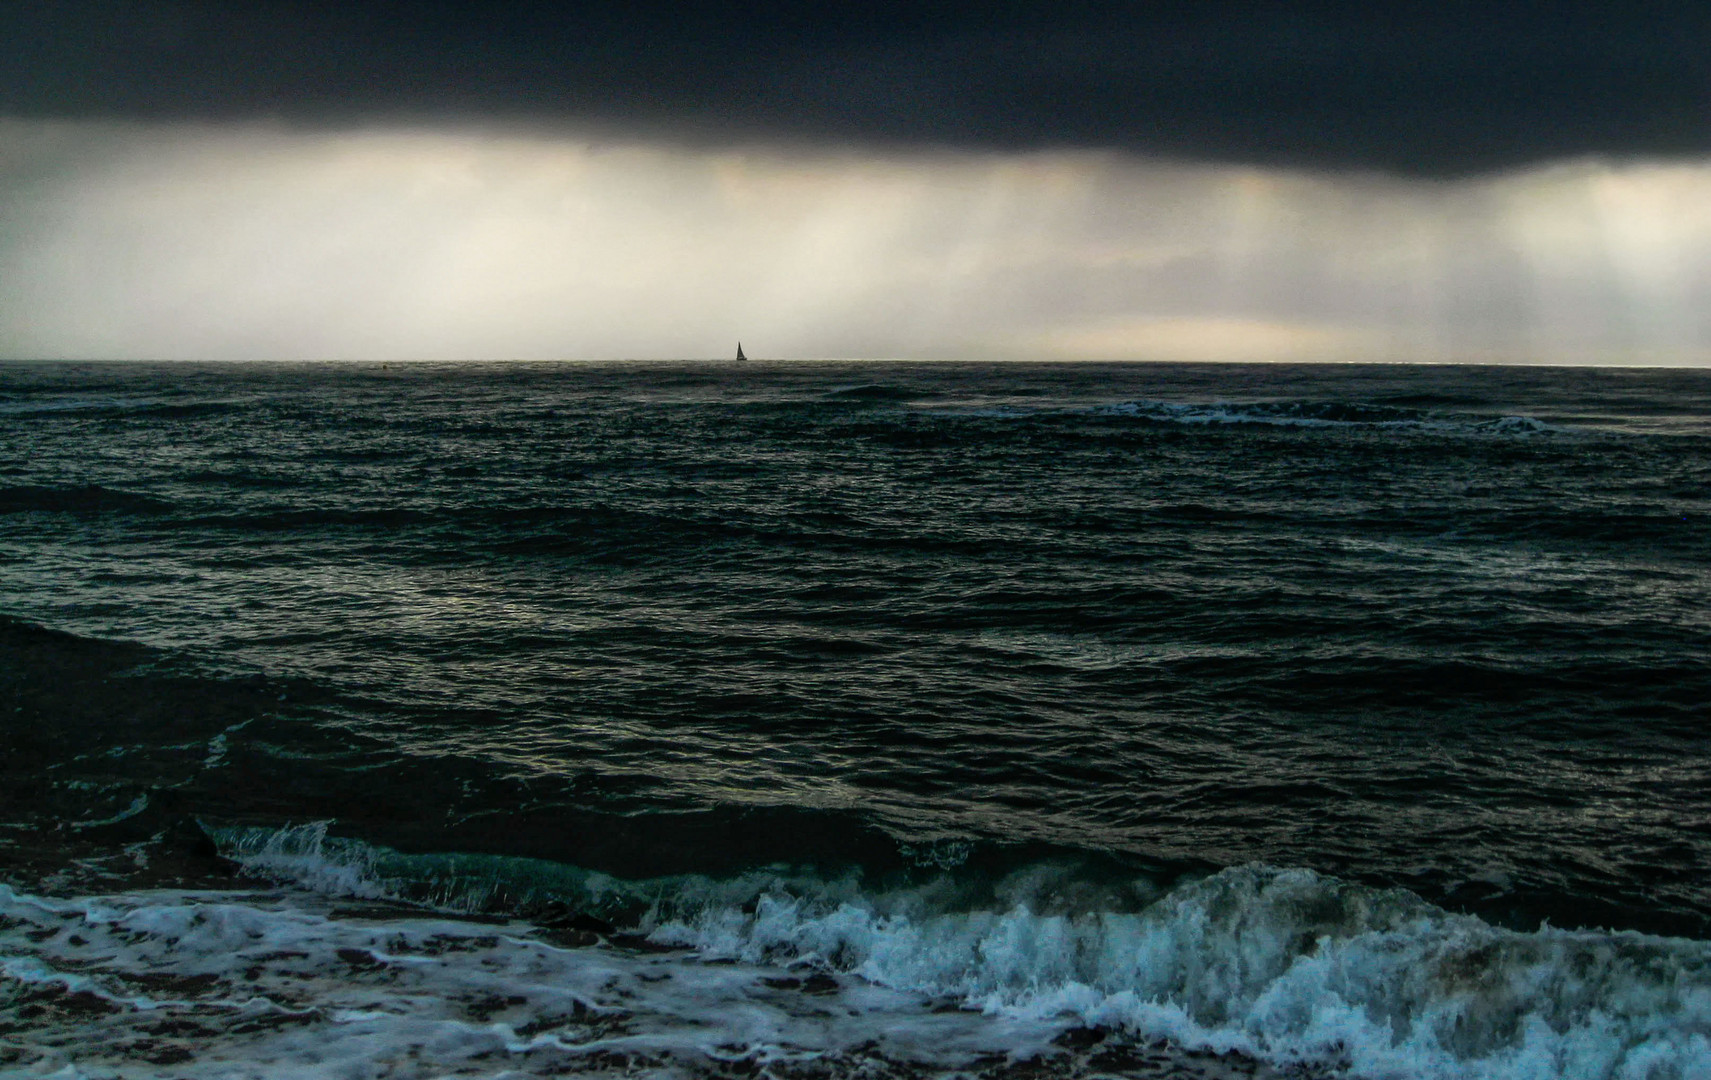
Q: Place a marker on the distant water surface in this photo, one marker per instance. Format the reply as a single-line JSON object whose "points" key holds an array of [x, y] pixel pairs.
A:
{"points": [[674, 642]]}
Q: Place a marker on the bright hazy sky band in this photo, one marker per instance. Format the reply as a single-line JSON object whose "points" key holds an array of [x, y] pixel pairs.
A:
{"points": [[254, 241]]}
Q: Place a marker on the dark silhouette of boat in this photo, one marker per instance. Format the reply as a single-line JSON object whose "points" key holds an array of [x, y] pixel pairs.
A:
{"points": [[740, 355]]}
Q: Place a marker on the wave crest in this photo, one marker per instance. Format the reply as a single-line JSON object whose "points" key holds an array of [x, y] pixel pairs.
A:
{"points": [[1288, 965], [1285, 964], [1326, 414]]}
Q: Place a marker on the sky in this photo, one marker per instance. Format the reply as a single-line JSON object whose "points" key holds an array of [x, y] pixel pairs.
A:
{"points": [[1205, 181]]}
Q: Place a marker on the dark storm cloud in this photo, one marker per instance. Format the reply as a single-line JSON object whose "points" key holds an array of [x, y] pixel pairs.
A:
{"points": [[1418, 88]]}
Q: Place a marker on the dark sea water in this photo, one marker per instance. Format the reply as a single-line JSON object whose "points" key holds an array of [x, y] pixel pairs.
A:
{"points": [[1350, 718]]}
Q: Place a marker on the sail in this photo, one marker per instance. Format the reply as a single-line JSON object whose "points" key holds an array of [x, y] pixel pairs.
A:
{"points": [[740, 355]]}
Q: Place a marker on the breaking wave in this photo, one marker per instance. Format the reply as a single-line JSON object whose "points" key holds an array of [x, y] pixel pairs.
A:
{"points": [[1286, 965]]}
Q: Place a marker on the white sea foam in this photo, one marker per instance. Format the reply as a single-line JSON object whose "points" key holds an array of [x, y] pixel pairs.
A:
{"points": [[1285, 966], [1288, 966], [279, 984]]}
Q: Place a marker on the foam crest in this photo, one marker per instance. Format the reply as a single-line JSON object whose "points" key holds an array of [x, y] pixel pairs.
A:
{"points": [[1285, 965], [308, 856]]}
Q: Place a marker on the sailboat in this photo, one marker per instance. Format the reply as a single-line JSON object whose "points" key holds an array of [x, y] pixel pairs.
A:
{"points": [[740, 355]]}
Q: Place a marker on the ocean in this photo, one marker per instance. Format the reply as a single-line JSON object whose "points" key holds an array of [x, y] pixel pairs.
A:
{"points": [[854, 719]]}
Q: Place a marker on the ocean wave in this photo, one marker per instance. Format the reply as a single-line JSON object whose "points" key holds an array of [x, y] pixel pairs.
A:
{"points": [[77, 499], [112, 406], [1286, 965], [1326, 414]]}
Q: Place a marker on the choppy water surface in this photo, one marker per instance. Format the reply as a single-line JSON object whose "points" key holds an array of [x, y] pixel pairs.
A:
{"points": [[845, 665]]}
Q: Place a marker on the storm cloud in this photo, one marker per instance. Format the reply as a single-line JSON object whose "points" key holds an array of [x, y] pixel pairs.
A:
{"points": [[1439, 89], [1086, 179]]}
